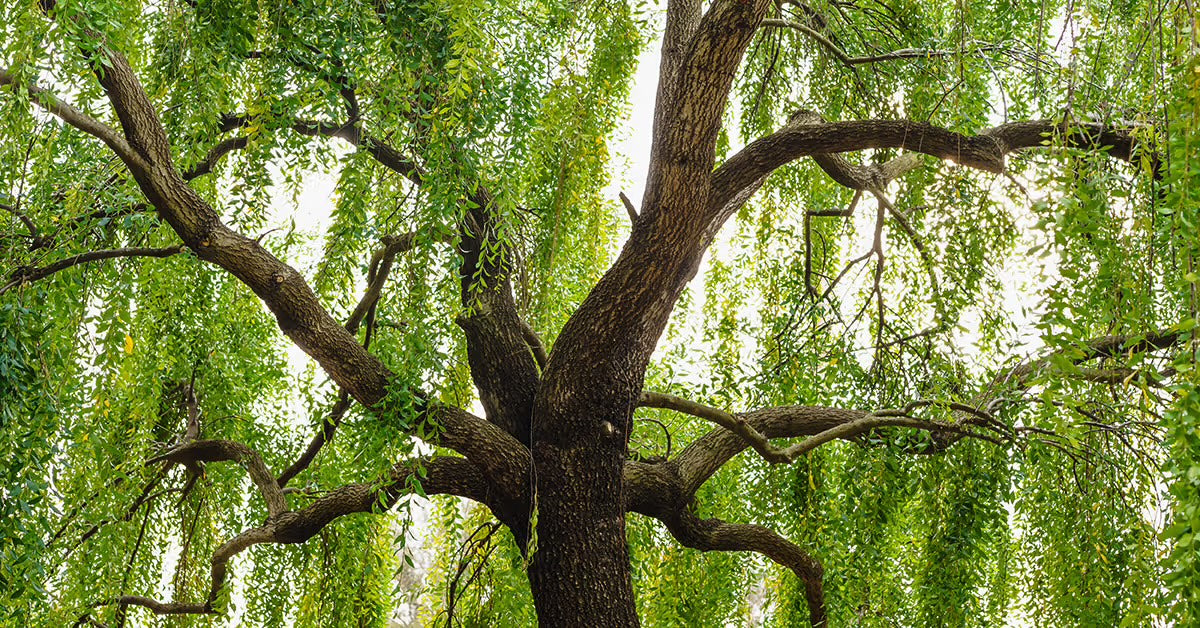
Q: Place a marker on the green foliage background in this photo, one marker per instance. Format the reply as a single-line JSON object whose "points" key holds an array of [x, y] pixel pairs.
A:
{"points": [[529, 98]]}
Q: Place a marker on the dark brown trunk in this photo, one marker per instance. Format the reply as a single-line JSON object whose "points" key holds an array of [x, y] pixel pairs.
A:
{"points": [[580, 573]]}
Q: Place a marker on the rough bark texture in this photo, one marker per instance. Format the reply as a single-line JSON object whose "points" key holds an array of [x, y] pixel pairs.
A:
{"points": [[556, 430]]}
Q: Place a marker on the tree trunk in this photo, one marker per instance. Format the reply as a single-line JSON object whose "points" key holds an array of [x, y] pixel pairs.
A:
{"points": [[580, 573]]}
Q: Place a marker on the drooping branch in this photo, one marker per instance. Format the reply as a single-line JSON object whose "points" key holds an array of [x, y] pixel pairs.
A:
{"points": [[985, 151], [26, 275], [709, 535], [227, 450], [666, 490], [850, 61], [443, 475]]}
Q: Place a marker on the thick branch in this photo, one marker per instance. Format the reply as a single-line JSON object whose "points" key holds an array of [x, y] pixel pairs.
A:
{"points": [[146, 151], [853, 176], [503, 367], [716, 535], [160, 608], [694, 89], [443, 475], [226, 450], [985, 151], [26, 275], [683, 18]]}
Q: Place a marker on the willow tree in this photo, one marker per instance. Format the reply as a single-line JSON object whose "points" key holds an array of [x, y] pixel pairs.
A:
{"points": [[938, 370]]}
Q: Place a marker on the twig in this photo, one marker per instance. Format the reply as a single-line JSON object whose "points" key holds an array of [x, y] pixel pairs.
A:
{"points": [[33, 230], [328, 427], [633, 213]]}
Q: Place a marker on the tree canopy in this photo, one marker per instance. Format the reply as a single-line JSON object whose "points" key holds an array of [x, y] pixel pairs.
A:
{"points": [[901, 332]]}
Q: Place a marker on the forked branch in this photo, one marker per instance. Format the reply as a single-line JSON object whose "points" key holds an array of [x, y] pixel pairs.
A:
{"points": [[227, 450], [444, 475], [821, 425]]}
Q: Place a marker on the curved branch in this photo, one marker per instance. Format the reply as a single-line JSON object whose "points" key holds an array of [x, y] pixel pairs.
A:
{"points": [[716, 535], [26, 275], [34, 234], [703, 457], [849, 61], [146, 152], [74, 117], [227, 450], [214, 155], [444, 475], [985, 151], [734, 423], [854, 176]]}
